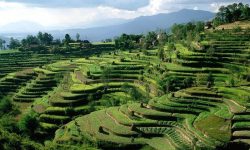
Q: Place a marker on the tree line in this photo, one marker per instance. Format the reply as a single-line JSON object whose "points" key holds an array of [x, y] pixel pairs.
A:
{"points": [[41, 39], [232, 13]]}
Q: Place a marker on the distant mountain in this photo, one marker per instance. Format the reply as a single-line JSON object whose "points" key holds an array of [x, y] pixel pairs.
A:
{"points": [[109, 28], [139, 25]]}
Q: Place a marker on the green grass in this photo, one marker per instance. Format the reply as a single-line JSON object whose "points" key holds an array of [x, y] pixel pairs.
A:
{"points": [[215, 127], [9, 51]]}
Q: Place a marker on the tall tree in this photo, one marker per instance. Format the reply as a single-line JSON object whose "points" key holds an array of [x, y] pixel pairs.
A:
{"points": [[232, 13], [30, 40], [14, 43], [170, 49], [67, 39], [77, 37], [45, 38], [160, 53], [2, 43]]}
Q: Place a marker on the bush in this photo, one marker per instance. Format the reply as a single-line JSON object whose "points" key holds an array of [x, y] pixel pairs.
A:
{"points": [[109, 101], [201, 79], [188, 82], [8, 123], [69, 111], [91, 97], [122, 59], [210, 80], [169, 84], [5, 106], [88, 73], [237, 29], [29, 123], [11, 141]]}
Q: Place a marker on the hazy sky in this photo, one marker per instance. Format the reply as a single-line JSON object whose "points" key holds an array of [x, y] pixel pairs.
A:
{"points": [[73, 13]]}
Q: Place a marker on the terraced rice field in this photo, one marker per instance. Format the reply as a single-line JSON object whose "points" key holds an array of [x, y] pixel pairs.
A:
{"points": [[73, 95]]}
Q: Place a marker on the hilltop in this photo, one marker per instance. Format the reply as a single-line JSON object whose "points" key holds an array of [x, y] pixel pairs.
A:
{"points": [[241, 24]]}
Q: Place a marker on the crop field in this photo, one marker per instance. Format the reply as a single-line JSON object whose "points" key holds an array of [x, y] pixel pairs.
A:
{"points": [[121, 103], [119, 99]]}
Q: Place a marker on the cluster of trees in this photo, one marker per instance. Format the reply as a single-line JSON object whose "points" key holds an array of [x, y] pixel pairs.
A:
{"points": [[41, 39], [190, 31], [126, 41], [179, 32], [15, 133], [232, 13], [150, 40]]}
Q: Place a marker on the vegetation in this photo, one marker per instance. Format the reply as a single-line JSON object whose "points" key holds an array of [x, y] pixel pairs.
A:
{"points": [[185, 90], [232, 13]]}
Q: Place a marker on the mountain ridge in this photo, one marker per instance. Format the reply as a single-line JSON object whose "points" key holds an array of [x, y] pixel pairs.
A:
{"points": [[138, 25]]}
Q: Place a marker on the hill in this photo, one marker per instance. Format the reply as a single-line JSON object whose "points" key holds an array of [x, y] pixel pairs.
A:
{"points": [[243, 24], [139, 25], [132, 98]]}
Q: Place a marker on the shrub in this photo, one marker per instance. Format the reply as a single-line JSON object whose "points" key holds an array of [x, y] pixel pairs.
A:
{"points": [[90, 97], [188, 82], [109, 101], [69, 111], [210, 80], [237, 29], [8, 123], [141, 78], [210, 51], [88, 73], [169, 84], [29, 123], [5, 106], [122, 59], [230, 82], [201, 79], [205, 79], [13, 141]]}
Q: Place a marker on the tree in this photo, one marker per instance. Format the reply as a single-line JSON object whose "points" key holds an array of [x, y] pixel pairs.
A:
{"points": [[2, 42], [40, 37], [160, 53], [170, 49], [67, 39], [232, 13], [210, 51], [77, 37], [200, 26], [168, 84], [151, 39], [179, 31], [5, 106], [106, 74], [162, 37], [29, 123], [210, 80], [30, 40], [45, 38], [188, 82], [14, 43], [201, 79]]}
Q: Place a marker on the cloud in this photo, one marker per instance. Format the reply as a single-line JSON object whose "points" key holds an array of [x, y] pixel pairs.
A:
{"points": [[121, 4], [79, 13]]}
